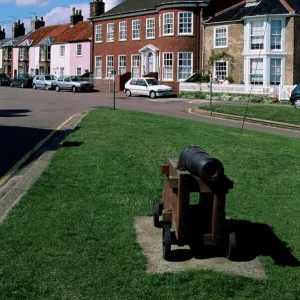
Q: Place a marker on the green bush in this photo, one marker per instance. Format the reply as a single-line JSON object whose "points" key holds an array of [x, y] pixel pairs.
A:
{"points": [[227, 97]]}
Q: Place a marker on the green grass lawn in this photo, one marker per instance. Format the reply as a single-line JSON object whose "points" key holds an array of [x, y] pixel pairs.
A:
{"points": [[269, 112], [72, 235]]}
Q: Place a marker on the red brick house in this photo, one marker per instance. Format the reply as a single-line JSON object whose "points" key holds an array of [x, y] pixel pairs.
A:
{"points": [[158, 38]]}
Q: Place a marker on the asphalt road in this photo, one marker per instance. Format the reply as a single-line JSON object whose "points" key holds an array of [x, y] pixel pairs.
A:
{"points": [[27, 116]]}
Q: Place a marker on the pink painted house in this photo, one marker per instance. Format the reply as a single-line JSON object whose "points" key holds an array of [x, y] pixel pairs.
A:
{"points": [[71, 51]]}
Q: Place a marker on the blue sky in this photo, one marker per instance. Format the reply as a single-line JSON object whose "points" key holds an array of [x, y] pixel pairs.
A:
{"points": [[53, 11]]}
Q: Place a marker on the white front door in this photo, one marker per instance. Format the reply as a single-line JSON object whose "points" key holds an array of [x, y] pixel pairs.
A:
{"points": [[150, 62]]}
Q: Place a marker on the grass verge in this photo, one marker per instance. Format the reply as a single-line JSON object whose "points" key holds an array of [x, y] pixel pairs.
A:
{"points": [[72, 236], [271, 112]]}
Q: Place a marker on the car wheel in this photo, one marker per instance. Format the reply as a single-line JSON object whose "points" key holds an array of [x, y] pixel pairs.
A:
{"points": [[46, 87], [297, 103], [128, 93], [11, 84], [22, 85], [57, 88], [34, 86], [0, 82], [74, 89], [152, 94]]}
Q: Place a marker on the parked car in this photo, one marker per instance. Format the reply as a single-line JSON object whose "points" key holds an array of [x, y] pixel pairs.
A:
{"points": [[89, 76], [44, 82], [295, 96], [22, 80], [73, 83], [4, 80], [147, 86]]}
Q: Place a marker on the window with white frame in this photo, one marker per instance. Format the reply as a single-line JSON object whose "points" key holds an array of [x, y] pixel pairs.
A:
{"points": [[276, 28], [98, 33], [78, 71], [136, 29], [123, 31], [109, 66], [150, 28], [168, 23], [110, 32], [79, 49], [122, 64], [275, 71], [168, 66], [21, 53], [135, 65], [256, 71], [220, 37], [98, 66], [257, 31], [62, 51], [185, 65], [220, 69], [185, 23]]}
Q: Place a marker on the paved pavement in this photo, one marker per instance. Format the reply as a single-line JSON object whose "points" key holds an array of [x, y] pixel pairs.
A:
{"points": [[28, 116]]}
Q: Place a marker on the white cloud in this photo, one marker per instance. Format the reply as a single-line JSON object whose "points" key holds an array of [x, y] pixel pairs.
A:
{"points": [[59, 15], [36, 3], [5, 1]]}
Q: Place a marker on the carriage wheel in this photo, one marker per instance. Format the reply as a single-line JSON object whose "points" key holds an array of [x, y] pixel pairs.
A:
{"points": [[166, 242], [156, 212], [232, 249]]}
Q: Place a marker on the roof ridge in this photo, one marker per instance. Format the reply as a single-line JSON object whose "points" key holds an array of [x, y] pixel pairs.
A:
{"points": [[229, 8], [287, 6]]}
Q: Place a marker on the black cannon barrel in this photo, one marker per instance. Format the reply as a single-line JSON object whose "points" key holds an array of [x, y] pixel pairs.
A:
{"points": [[201, 165]]}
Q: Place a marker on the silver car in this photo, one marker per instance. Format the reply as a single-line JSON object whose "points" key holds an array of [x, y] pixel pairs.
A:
{"points": [[44, 82], [73, 83]]}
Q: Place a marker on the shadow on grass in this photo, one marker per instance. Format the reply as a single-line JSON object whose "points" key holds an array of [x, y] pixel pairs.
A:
{"points": [[252, 240]]}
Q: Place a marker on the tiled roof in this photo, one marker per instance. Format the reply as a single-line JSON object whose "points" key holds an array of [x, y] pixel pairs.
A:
{"points": [[41, 33], [129, 6], [262, 7], [12, 41], [82, 31]]}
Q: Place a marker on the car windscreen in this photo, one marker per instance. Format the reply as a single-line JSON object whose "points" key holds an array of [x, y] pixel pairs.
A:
{"points": [[77, 78], [49, 77], [153, 81]]}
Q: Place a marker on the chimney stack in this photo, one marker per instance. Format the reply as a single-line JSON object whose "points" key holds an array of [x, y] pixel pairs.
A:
{"points": [[36, 23], [76, 17], [18, 29], [97, 8], [2, 33]]}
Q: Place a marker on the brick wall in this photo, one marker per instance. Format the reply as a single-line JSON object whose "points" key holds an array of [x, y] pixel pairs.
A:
{"points": [[289, 49], [173, 43], [296, 39], [235, 48]]}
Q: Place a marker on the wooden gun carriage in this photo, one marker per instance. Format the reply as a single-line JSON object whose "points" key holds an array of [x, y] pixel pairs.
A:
{"points": [[197, 225]]}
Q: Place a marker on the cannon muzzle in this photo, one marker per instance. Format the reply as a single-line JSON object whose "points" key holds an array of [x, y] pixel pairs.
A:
{"points": [[200, 164]]}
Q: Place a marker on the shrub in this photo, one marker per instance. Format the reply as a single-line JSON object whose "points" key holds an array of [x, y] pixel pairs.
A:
{"points": [[227, 97]]}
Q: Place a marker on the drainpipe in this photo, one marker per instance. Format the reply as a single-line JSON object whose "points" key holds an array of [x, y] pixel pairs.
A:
{"points": [[92, 50]]}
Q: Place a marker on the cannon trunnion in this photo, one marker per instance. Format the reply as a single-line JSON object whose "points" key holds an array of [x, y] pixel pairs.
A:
{"points": [[202, 223]]}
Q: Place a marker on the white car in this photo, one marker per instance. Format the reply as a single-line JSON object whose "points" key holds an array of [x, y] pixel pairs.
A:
{"points": [[147, 86]]}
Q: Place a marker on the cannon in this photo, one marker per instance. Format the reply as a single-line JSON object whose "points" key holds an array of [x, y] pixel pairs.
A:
{"points": [[200, 224]]}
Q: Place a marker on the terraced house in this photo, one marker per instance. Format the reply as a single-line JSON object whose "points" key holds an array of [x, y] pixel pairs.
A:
{"points": [[159, 38], [6, 46], [262, 37], [56, 50]]}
